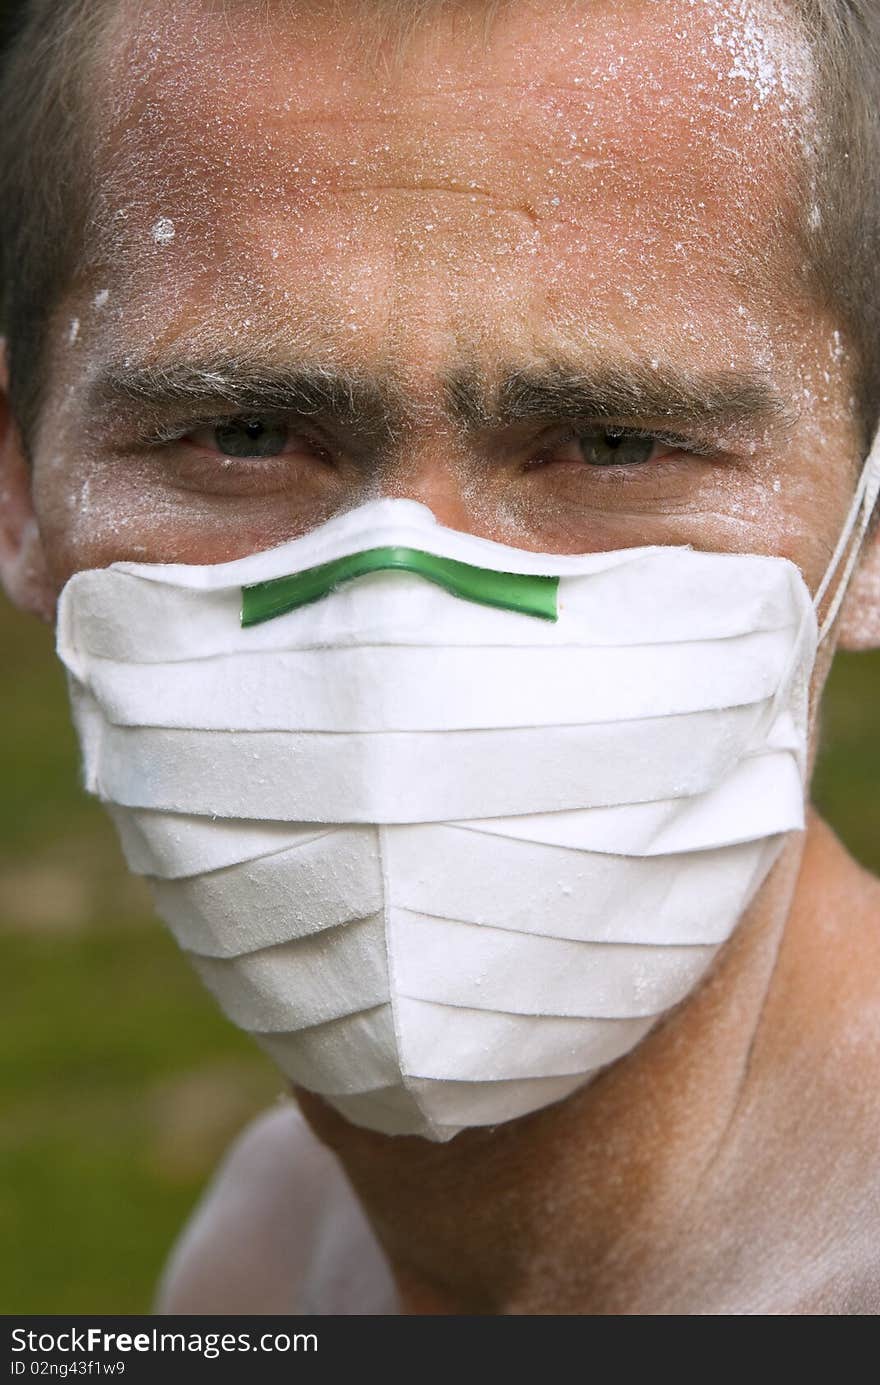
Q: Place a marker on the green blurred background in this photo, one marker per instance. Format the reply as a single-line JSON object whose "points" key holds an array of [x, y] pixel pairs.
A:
{"points": [[121, 1083]]}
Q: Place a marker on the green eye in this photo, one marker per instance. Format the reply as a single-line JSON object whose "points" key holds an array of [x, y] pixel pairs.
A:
{"points": [[612, 448], [251, 437]]}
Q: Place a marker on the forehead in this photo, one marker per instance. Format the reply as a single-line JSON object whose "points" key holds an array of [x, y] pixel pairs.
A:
{"points": [[608, 164]]}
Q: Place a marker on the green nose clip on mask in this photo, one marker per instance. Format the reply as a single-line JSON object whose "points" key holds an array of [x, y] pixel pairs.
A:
{"points": [[530, 594]]}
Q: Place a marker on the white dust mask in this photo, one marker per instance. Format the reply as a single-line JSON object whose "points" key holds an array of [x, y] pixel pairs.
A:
{"points": [[447, 825]]}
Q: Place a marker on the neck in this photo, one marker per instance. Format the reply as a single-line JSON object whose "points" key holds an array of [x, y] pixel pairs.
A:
{"points": [[582, 1207]]}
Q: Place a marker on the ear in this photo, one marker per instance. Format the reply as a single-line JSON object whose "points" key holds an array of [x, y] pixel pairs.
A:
{"points": [[860, 616], [23, 568]]}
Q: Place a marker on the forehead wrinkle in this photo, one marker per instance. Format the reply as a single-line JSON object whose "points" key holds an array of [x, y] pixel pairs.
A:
{"points": [[238, 99], [660, 186]]}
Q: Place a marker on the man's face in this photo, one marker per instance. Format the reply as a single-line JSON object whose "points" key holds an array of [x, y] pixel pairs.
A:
{"points": [[493, 245]]}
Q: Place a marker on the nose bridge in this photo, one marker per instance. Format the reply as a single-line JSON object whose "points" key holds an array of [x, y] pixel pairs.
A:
{"points": [[426, 472], [433, 333], [431, 456]]}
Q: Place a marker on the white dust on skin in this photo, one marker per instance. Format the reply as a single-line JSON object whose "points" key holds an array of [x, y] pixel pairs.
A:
{"points": [[605, 185], [163, 230], [758, 51]]}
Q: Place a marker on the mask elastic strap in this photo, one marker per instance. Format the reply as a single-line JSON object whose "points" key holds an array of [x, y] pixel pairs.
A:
{"points": [[854, 528]]}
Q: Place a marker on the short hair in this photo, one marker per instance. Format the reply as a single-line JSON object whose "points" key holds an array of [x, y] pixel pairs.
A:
{"points": [[47, 147]]}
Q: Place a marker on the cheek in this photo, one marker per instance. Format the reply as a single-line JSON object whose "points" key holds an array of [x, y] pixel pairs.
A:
{"points": [[86, 521], [91, 515]]}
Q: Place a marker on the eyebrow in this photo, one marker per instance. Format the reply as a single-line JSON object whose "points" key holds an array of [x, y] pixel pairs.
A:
{"points": [[370, 407], [620, 391], [373, 409]]}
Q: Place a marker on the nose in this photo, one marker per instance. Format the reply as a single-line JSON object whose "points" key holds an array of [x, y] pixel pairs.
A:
{"points": [[432, 470]]}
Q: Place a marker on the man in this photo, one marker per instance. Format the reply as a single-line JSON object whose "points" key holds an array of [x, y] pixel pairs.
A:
{"points": [[669, 210]]}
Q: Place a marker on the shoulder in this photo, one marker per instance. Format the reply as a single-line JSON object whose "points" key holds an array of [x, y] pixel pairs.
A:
{"points": [[278, 1230]]}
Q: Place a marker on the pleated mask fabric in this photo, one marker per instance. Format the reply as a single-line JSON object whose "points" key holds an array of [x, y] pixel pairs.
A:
{"points": [[444, 858]]}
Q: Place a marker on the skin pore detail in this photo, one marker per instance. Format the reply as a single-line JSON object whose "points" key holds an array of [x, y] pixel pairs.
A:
{"points": [[436, 274]]}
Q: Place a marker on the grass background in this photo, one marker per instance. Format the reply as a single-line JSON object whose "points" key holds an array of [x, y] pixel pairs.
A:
{"points": [[120, 1083]]}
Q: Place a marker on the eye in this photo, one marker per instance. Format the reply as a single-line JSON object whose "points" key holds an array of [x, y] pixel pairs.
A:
{"points": [[252, 437], [604, 447], [615, 448]]}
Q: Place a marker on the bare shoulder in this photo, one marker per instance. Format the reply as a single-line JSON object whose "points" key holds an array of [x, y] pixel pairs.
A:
{"points": [[278, 1230]]}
